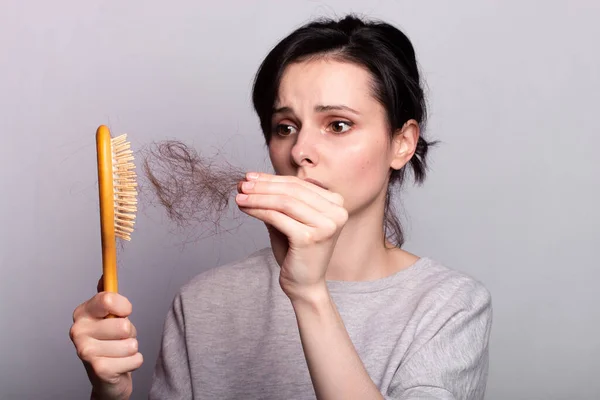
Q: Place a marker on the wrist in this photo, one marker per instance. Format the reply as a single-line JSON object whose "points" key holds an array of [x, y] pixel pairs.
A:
{"points": [[101, 394], [314, 298]]}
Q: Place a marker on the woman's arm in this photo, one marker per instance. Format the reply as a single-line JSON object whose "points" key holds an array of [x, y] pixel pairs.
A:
{"points": [[304, 222], [336, 370]]}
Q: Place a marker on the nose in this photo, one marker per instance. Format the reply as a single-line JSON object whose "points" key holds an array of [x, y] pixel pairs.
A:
{"points": [[304, 151]]}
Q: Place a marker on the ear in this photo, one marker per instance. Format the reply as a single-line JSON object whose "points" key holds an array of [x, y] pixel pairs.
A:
{"points": [[404, 144]]}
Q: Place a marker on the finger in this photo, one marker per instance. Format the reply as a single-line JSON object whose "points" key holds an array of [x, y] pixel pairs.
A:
{"points": [[103, 304], [335, 198], [293, 189], [114, 329], [93, 348], [287, 205], [107, 329], [109, 368], [296, 231]]}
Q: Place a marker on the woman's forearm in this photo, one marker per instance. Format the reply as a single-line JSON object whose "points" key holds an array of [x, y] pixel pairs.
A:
{"points": [[336, 370]]}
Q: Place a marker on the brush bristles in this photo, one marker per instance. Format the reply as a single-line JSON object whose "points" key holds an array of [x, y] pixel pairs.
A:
{"points": [[125, 187]]}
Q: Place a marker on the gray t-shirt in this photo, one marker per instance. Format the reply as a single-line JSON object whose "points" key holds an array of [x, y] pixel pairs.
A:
{"points": [[421, 333]]}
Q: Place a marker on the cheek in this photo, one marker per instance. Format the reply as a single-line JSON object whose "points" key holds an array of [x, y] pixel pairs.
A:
{"points": [[280, 158], [365, 171], [364, 174], [367, 162]]}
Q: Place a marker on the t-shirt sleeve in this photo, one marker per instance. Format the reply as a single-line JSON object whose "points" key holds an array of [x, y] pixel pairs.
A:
{"points": [[171, 379], [448, 359]]}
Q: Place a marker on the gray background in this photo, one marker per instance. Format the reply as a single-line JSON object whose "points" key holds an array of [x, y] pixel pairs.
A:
{"points": [[512, 199]]}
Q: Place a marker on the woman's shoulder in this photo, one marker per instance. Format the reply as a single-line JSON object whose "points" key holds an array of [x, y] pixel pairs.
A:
{"points": [[444, 283], [239, 276]]}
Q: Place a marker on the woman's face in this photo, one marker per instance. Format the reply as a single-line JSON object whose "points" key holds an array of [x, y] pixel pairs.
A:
{"points": [[328, 127]]}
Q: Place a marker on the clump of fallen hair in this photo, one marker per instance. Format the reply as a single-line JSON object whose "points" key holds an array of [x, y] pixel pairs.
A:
{"points": [[192, 188]]}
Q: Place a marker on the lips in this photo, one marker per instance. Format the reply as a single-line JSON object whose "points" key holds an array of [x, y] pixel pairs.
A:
{"points": [[315, 182]]}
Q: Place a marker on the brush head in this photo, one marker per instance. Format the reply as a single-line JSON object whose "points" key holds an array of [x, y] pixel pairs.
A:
{"points": [[124, 186]]}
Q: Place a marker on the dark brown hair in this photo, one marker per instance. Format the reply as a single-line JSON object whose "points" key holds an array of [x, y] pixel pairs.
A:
{"points": [[194, 189]]}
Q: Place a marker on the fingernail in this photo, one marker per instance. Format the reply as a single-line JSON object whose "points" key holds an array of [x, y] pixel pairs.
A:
{"points": [[252, 175], [241, 196], [247, 185]]}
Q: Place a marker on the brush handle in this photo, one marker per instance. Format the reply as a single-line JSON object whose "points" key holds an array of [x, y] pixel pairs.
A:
{"points": [[107, 210]]}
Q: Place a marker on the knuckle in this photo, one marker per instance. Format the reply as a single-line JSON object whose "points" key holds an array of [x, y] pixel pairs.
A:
{"points": [[125, 301], [307, 237], [78, 311], [338, 199], [129, 306], [85, 351], [267, 215], [138, 360], [107, 300], [297, 188], [329, 227], [133, 332], [133, 346], [271, 216], [343, 215], [285, 202], [125, 328], [74, 332]]}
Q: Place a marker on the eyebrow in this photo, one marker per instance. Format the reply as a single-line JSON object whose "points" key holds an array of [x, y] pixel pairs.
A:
{"points": [[318, 108]]}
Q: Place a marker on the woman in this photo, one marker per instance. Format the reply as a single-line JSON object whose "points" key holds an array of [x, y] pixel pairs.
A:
{"points": [[335, 308]]}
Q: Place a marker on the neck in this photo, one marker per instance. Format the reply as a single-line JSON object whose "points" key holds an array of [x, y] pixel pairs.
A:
{"points": [[362, 253]]}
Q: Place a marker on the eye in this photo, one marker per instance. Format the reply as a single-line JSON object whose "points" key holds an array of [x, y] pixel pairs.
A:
{"points": [[340, 126], [285, 130]]}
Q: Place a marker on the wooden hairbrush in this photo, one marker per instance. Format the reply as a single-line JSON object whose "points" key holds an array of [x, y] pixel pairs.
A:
{"points": [[118, 198]]}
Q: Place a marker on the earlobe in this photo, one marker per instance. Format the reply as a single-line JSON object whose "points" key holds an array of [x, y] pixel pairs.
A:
{"points": [[404, 144]]}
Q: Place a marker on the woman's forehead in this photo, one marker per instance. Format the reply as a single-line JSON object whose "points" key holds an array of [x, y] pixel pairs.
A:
{"points": [[325, 82]]}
